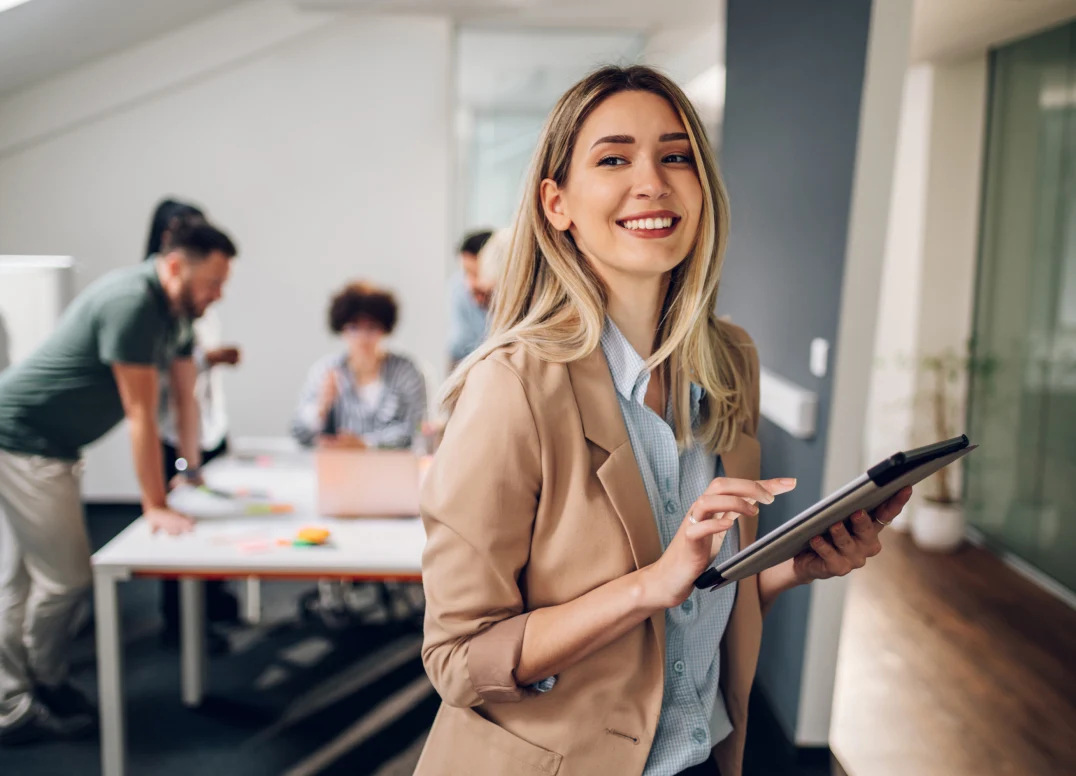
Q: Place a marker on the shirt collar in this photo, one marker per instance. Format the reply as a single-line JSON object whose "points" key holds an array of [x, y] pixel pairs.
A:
{"points": [[628, 369], [626, 366]]}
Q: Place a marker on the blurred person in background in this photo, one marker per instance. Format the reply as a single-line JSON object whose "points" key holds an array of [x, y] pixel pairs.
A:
{"points": [[487, 269], [364, 397], [600, 455], [101, 364], [468, 303], [209, 352]]}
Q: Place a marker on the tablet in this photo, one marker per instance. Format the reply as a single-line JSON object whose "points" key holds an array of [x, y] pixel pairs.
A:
{"points": [[865, 492]]}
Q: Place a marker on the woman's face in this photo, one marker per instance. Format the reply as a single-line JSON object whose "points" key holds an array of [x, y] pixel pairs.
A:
{"points": [[363, 337], [632, 200]]}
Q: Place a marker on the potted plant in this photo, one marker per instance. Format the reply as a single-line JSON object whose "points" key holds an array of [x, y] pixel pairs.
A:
{"points": [[938, 523]]}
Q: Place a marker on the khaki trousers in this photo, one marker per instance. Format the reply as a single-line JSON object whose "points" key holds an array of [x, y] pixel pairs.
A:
{"points": [[44, 573]]}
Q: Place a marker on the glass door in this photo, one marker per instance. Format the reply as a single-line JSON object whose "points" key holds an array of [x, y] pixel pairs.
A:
{"points": [[1021, 486]]}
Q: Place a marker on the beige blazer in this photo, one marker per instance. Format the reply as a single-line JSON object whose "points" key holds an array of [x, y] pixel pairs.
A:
{"points": [[534, 499]]}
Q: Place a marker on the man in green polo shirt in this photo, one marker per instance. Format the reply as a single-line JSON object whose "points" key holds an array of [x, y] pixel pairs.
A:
{"points": [[101, 364]]}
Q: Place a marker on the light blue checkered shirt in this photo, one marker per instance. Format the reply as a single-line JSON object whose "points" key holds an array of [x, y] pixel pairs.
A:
{"points": [[693, 716]]}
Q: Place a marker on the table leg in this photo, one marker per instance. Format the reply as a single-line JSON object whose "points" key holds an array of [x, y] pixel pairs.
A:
{"points": [[192, 640], [252, 601], [109, 674]]}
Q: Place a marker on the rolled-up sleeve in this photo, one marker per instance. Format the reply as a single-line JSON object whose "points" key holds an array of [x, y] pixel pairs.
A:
{"points": [[478, 506]]}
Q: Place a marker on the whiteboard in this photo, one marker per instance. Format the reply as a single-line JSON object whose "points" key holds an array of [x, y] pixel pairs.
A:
{"points": [[34, 290]]}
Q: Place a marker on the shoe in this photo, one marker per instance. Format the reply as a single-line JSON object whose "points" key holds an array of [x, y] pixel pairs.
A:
{"points": [[215, 644], [66, 700], [39, 723]]}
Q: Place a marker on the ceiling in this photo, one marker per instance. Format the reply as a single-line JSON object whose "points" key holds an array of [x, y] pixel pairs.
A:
{"points": [[522, 70], [612, 14], [41, 38], [949, 29]]}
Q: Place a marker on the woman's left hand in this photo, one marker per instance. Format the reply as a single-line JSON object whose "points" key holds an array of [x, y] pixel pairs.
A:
{"points": [[845, 550]]}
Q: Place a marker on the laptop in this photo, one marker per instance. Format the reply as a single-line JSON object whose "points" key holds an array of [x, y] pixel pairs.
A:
{"points": [[367, 483]]}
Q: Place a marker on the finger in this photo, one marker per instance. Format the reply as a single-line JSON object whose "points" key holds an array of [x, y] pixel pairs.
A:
{"points": [[824, 550], [863, 527], [842, 540], [888, 510], [779, 485], [708, 506], [762, 492], [836, 564], [704, 530]]}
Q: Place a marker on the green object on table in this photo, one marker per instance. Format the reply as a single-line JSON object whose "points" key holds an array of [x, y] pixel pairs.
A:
{"points": [[302, 543]]}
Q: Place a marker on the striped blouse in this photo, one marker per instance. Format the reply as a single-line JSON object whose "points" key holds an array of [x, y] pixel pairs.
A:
{"points": [[390, 421]]}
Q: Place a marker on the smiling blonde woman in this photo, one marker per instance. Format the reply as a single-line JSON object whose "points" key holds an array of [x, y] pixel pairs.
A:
{"points": [[600, 455]]}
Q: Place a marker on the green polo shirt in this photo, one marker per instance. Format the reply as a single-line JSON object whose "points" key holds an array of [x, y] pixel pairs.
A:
{"points": [[64, 395]]}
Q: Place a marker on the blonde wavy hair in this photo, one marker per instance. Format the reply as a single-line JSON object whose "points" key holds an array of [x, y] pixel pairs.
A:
{"points": [[549, 299]]}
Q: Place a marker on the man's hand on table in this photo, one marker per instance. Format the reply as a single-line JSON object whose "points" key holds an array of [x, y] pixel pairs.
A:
{"points": [[168, 520]]}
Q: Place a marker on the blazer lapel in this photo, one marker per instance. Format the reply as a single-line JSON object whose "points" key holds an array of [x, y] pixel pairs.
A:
{"points": [[603, 424]]}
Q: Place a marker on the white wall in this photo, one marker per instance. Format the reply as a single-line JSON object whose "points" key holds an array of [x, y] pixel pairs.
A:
{"points": [[320, 142], [928, 284], [953, 199], [890, 409]]}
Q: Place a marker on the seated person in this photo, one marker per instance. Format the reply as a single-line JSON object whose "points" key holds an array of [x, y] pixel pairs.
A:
{"points": [[365, 396]]}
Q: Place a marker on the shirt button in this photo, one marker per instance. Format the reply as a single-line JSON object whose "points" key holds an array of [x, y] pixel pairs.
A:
{"points": [[678, 666], [699, 735], [687, 606], [670, 507]]}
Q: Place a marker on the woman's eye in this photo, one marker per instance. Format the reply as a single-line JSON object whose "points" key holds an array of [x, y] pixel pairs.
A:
{"points": [[612, 161], [679, 159]]}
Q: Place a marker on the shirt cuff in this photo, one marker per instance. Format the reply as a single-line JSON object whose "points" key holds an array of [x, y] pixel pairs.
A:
{"points": [[545, 685]]}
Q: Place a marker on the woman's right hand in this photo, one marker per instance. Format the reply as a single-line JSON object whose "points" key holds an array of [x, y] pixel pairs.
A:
{"points": [[699, 538]]}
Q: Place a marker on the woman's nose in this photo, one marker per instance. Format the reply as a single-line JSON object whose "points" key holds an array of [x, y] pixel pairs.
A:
{"points": [[650, 182]]}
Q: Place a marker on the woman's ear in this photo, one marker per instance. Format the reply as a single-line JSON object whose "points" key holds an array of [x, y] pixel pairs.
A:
{"points": [[554, 205]]}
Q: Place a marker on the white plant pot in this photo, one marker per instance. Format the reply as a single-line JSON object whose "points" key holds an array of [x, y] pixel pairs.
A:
{"points": [[938, 527]]}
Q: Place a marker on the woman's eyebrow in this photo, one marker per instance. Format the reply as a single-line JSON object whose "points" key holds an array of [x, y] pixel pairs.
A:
{"points": [[668, 137], [621, 139]]}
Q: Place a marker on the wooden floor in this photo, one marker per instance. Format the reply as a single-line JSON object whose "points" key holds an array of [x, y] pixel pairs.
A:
{"points": [[953, 665]]}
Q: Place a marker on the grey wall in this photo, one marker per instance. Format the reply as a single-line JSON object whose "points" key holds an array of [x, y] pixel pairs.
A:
{"points": [[793, 87]]}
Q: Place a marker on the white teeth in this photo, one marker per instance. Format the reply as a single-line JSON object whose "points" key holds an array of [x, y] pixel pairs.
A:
{"points": [[648, 223]]}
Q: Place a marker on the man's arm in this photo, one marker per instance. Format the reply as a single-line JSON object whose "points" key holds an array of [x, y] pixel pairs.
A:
{"points": [[138, 386], [182, 376]]}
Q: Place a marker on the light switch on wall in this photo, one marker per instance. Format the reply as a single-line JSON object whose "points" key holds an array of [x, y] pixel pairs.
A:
{"points": [[819, 357]]}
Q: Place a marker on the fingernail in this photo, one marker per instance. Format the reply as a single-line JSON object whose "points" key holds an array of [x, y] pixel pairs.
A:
{"points": [[787, 480], [816, 542], [860, 516]]}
